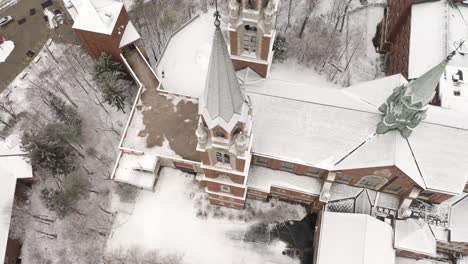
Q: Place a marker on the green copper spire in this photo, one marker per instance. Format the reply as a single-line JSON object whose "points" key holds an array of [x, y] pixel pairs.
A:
{"points": [[407, 105]]}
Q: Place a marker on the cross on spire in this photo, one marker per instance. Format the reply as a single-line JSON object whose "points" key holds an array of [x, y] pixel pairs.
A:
{"points": [[217, 16]]}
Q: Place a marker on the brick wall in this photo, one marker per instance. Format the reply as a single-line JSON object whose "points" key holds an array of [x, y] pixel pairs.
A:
{"points": [[235, 191], [276, 164], [13, 251], [233, 41], [261, 69], [226, 201], [239, 179], [395, 177], [265, 48], [292, 196], [257, 195], [397, 35], [96, 43]]}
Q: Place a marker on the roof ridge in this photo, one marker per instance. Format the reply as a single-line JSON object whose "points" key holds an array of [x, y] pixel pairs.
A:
{"points": [[416, 162], [315, 103]]}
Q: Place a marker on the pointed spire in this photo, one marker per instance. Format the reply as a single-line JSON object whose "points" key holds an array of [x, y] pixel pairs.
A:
{"points": [[406, 107], [422, 90], [223, 97]]}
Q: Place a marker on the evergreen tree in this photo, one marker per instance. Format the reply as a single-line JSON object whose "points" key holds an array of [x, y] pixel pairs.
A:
{"points": [[63, 201], [48, 148], [112, 89], [106, 64], [280, 48], [110, 76], [66, 114]]}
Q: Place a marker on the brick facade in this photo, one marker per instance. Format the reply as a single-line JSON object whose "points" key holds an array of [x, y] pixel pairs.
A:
{"points": [[277, 164], [213, 174], [96, 43], [233, 41], [265, 52], [260, 68], [13, 251], [395, 36]]}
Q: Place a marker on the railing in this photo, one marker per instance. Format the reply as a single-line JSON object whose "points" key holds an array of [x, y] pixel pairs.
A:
{"points": [[433, 214]]}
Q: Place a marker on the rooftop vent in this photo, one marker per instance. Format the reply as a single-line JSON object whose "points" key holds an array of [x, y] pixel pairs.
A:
{"points": [[457, 78], [108, 14]]}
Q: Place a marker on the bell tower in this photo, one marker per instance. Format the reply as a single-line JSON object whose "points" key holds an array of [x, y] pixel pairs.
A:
{"points": [[252, 33], [224, 129]]}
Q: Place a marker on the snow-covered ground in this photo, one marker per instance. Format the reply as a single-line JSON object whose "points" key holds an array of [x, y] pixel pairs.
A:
{"points": [[177, 219], [5, 50], [67, 71]]}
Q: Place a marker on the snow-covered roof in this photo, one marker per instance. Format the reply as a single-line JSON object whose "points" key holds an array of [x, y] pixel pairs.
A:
{"points": [[5, 50], [414, 235], [188, 52], [354, 239], [98, 16], [300, 117], [458, 220], [436, 28], [263, 179], [12, 167], [130, 35], [137, 170], [13, 158], [384, 150], [402, 260], [439, 152], [308, 133]]}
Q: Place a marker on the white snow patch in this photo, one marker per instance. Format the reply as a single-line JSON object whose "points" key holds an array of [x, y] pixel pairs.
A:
{"points": [[5, 50], [166, 220]]}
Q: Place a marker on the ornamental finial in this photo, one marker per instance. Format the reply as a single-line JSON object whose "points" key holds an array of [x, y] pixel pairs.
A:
{"points": [[217, 16]]}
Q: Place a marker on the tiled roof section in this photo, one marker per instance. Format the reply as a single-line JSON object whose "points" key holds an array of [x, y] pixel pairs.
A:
{"points": [[223, 97]]}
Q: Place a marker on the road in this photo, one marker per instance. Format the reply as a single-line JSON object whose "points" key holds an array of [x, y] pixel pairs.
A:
{"points": [[30, 35]]}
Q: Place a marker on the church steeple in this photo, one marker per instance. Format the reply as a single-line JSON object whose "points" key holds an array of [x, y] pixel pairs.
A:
{"points": [[224, 109], [406, 107], [223, 98], [224, 129]]}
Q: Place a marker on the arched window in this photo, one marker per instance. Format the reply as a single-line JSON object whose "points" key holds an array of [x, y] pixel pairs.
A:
{"points": [[223, 158], [250, 39], [251, 4], [372, 182]]}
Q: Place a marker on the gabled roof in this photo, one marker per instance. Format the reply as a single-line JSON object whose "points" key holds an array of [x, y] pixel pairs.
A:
{"points": [[223, 97], [389, 149], [99, 16], [354, 239], [414, 235]]}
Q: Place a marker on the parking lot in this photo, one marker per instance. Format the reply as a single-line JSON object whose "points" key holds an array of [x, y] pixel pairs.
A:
{"points": [[29, 35]]}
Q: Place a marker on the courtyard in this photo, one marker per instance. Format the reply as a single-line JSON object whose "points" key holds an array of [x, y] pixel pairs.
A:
{"points": [[176, 219]]}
